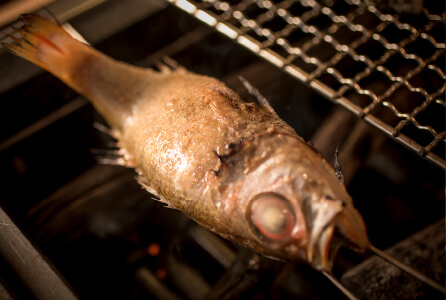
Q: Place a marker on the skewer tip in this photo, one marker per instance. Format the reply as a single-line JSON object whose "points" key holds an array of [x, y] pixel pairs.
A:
{"points": [[339, 285], [426, 280]]}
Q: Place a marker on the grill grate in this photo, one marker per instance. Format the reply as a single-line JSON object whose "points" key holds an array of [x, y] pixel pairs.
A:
{"points": [[386, 68]]}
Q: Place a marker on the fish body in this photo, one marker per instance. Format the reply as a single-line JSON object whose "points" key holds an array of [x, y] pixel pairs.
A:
{"points": [[236, 168]]}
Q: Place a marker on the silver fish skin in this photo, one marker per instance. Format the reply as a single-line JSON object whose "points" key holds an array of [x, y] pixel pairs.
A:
{"points": [[234, 167]]}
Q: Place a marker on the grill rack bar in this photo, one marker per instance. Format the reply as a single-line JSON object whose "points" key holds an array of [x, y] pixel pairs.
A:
{"points": [[236, 20]]}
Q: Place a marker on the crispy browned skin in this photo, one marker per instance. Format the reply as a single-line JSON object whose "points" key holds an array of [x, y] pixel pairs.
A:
{"points": [[201, 149]]}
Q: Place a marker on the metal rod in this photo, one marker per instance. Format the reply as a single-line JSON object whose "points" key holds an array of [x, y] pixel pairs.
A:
{"points": [[46, 121], [408, 269], [42, 281], [177, 46], [153, 285], [340, 286]]}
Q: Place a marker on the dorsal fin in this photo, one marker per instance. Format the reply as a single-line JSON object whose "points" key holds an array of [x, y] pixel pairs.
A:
{"points": [[260, 98], [337, 166], [222, 102]]}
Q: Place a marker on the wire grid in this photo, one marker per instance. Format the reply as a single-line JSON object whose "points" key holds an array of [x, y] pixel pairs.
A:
{"points": [[386, 68]]}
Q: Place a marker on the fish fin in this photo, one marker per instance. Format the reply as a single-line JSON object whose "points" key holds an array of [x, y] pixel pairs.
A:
{"points": [[337, 166], [162, 200], [220, 103], [163, 68], [43, 43], [155, 197], [260, 98], [311, 145], [108, 160], [225, 103], [146, 185], [169, 206], [116, 161], [107, 130], [173, 64], [168, 65], [116, 157]]}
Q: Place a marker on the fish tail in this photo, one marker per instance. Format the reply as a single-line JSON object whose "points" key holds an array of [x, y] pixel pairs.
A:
{"points": [[44, 43], [110, 85]]}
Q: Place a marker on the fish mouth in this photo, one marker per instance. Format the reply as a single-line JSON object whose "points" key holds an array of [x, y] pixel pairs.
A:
{"points": [[325, 250], [351, 227], [346, 222], [320, 251]]}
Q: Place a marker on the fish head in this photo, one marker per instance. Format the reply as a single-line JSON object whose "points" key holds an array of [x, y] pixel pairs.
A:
{"points": [[293, 204]]}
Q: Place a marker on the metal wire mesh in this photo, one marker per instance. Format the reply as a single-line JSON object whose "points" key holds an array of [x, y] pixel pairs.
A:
{"points": [[385, 67]]}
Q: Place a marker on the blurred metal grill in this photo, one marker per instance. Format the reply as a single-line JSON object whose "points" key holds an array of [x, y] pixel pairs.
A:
{"points": [[341, 47]]}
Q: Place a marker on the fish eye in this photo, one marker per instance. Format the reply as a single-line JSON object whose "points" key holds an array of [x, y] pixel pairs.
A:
{"points": [[271, 215]]}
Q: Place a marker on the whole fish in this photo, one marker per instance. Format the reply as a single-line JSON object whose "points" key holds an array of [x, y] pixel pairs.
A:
{"points": [[235, 168]]}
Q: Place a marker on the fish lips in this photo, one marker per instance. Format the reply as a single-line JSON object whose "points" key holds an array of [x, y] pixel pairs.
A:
{"points": [[320, 251], [330, 217]]}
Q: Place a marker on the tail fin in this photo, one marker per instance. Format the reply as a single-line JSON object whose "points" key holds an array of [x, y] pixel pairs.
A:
{"points": [[43, 43], [111, 86]]}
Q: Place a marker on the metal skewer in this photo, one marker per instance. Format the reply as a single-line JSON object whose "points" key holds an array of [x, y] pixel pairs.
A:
{"points": [[340, 286], [408, 269]]}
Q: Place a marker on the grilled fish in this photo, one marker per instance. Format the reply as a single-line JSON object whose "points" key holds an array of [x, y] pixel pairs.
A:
{"points": [[235, 168]]}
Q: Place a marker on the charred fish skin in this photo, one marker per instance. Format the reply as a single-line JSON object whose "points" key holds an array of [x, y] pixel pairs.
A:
{"points": [[234, 167]]}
